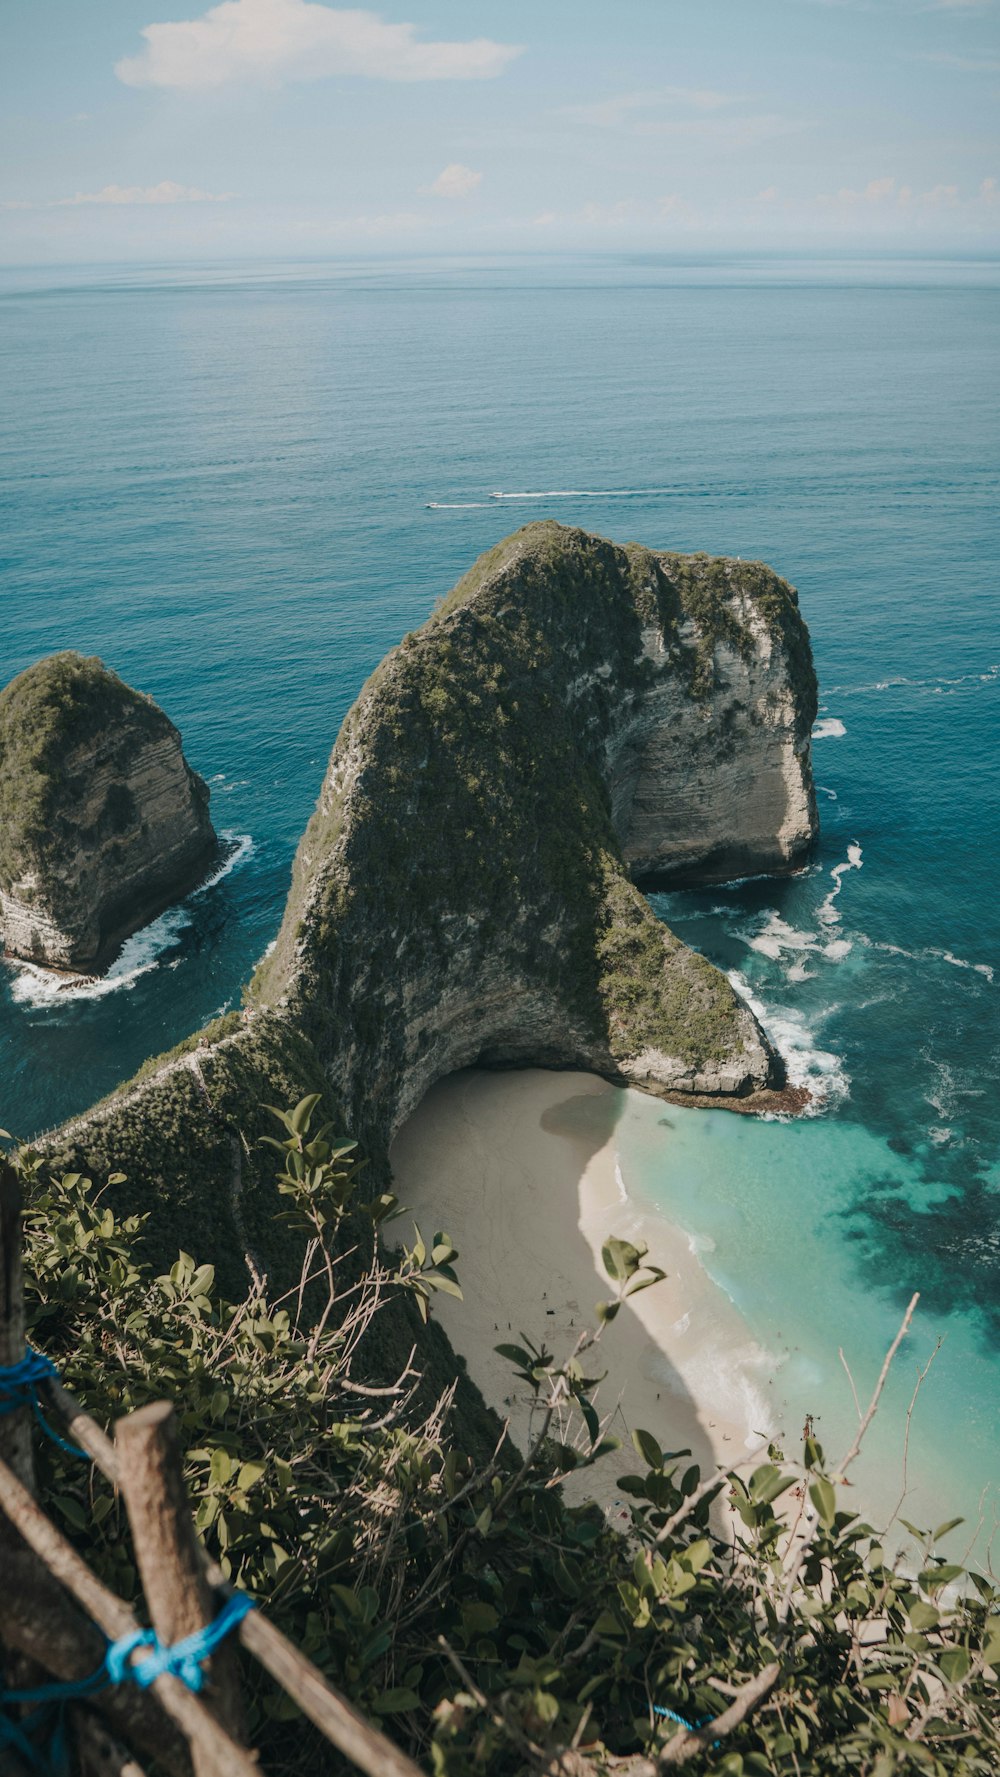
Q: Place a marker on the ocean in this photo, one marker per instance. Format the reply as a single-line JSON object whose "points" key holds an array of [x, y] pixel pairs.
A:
{"points": [[241, 485]]}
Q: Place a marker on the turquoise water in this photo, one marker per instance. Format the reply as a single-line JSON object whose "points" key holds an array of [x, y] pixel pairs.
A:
{"points": [[240, 487]]}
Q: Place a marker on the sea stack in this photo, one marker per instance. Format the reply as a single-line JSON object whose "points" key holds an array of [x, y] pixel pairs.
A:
{"points": [[103, 823], [578, 721]]}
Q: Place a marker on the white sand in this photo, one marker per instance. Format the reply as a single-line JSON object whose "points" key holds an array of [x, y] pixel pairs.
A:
{"points": [[520, 1170]]}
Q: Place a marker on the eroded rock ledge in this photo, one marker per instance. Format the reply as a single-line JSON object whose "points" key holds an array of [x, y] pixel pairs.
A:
{"points": [[102, 821], [576, 719]]}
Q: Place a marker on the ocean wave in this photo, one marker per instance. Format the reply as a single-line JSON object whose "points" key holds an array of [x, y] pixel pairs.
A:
{"points": [[828, 728], [822, 1073], [945, 1096], [455, 505], [823, 790], [828, 912], [139, 955], [776, 937], [935, 685], [931, 955]]}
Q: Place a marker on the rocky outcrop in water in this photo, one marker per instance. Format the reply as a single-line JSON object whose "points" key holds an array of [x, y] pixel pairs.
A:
{"points": [[574, 721], [102, 821]]}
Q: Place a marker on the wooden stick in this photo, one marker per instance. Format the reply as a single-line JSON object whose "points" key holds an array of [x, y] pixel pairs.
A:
{"points": [[16, 1672], [167, 1552], [114, 1617], [40, 1622], [328, 1710], [15, 1428]]}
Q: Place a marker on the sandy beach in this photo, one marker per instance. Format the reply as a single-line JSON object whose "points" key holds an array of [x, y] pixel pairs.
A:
{"points": [[520, 1170]]}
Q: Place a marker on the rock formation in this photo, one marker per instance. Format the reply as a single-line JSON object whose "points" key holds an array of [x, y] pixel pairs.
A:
{"points": [[575, 719], [102, 821]]}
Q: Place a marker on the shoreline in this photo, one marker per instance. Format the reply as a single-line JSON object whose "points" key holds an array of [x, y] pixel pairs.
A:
{"points": [[520, 1169]]}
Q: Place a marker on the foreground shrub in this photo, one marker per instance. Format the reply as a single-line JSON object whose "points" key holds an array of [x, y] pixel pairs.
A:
{"points": [[449, 1590]]}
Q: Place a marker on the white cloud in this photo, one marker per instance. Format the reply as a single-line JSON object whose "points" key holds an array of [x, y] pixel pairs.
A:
{"points": [[269, 41], [167, 192], [455, 181], [877, 191]]}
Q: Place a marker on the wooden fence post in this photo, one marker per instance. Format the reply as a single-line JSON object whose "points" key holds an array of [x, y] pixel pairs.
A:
{"points": [[15, 1428], [167, 1553]]}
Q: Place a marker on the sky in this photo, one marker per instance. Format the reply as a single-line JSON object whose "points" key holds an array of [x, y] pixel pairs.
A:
{"points": [[159, 130]]}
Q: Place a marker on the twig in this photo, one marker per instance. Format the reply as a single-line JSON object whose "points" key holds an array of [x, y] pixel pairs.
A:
{"points": [[880, 1384], [850, 1378], [686, 1745], [921, 1376], [718, 1479]]}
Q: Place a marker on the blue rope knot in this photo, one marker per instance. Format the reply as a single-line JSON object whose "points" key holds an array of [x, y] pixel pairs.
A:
{"points": [[19, 1385], [184, 1660], [19, 1382]]}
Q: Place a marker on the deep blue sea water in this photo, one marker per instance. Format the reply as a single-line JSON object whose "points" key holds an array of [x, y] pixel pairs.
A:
{"points": [[241, 486]]}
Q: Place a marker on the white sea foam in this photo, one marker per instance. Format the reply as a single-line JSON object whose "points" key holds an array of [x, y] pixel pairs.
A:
{"points": [[776, 937], [828, 911], [930, 954], [822, 1073], [583, 493], [825, 791], [139, 955], [620, 1182], [456, 505], [960, 962], [944, 1098], [936, 685], [828, 728]]}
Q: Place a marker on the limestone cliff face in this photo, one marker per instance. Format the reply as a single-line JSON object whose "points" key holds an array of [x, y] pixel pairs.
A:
{"points": [[711, 778], [575, 719], [102, 821]]}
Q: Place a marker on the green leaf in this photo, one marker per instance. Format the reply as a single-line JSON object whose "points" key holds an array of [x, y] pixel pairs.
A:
{"points": [[955, 1663], [516, 1354], [606, 1311], [653, 1275], [933, 1578], [949, 1524], [648, 1449], [824, 1498], [621, 1258], [767, 1483], [923, 1615], [395, 1702], [302, 1114]]}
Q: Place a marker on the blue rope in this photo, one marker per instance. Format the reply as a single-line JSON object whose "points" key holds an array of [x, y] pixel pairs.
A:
{"points": [[19, 1385], [692, 1726], [184, 1660]]}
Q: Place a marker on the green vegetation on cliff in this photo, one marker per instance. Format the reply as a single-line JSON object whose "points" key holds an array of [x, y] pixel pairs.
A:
{"points": [[64, 702]]}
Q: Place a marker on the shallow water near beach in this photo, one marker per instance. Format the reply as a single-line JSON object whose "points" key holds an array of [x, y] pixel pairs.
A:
{"points": [[241, 487]]}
